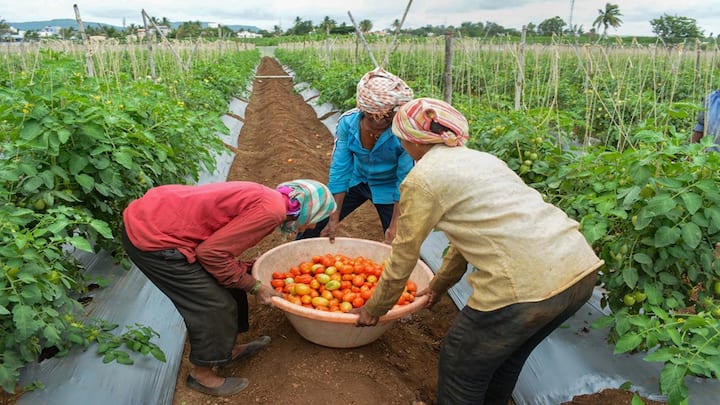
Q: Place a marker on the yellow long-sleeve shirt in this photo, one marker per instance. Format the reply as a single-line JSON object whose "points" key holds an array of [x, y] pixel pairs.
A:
{"points": [[522, 248]]}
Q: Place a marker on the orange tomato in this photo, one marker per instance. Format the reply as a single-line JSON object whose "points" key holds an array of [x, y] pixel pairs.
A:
{"points": [[277, 283], [411, 286], [277, 275], [366, 294]]}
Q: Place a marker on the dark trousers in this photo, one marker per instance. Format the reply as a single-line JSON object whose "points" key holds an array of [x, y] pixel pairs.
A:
{"points": [[483, 353], [354, 198], [213, 314]]}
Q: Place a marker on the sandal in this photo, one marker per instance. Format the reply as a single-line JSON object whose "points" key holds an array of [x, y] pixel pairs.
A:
{"points": [[252, 348], [231, 386]]}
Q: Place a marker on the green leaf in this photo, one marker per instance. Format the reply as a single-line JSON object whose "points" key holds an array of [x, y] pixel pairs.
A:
{"points": [[80, 243], [52, 335], [124, 157], [102, 228], [691, 234], [666, 236], [693, 201], [77, 164], [661, 204], [672, 384], [32, 185], [627, 342], [4, 311], [630, 276], [31, 130], [158, 354], [636, 400], [60, 224], [63, 135], [642, 258], [86, 182], [93, 130]]}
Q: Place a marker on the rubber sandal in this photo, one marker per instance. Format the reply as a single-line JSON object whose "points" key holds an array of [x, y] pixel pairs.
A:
{"points": [[231, 386], [252, 348]]}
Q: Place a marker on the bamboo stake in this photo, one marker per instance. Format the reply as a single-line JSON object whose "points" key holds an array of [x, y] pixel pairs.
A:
{"points": [[447, 75], [151, 58], [362, 37], [393, 46], [88, 52], [521, 69], [159, 31]]}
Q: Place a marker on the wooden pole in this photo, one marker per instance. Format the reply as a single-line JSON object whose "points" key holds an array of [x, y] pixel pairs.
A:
{"points": [[146, 17], [88, 52], [151, 59], [521, 70], [394, 45], [362, 37], [447, 75]]}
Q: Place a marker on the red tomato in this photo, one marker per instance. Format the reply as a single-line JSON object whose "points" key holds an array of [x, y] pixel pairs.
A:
{"points": [[276, 275], [277, 283], [358, 302]]}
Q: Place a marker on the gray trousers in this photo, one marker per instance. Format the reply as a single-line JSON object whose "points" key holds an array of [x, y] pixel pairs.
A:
{"points": [[483, 352], [213, 314]]}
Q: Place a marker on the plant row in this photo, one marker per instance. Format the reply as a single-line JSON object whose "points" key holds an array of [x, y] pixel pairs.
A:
{"points": [[646, 199]]}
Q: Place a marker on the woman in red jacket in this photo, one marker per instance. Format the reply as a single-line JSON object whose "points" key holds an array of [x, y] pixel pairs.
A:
{"points": [[186, 240]]}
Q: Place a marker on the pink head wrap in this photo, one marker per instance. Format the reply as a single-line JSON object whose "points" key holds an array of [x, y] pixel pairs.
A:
{"points": [[379, 92], [413, 123]]}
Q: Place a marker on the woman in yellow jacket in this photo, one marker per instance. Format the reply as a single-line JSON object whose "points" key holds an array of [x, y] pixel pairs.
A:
{"points": [[533, 269]]}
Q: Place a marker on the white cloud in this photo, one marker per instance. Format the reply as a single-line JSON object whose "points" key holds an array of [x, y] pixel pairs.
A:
{"points": [[267, 13]]}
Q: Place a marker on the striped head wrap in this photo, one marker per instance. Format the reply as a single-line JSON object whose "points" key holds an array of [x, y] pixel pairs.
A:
{"points": [[428, 121], [315, 201], [380, 92]]}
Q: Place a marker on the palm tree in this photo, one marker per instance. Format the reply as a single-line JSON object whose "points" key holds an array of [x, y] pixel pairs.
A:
{"points": [[365, 26], [610, 17]]}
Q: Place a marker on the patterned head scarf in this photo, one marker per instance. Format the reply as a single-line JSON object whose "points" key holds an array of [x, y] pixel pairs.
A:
{"points": [[311, 199], [420, 120], [380, 92]]}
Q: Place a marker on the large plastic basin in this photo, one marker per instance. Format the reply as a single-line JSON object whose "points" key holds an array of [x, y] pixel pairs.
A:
{"points": [[335, 329]]}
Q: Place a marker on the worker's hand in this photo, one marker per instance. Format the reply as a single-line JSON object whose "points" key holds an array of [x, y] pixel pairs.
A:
{"points": [[364, 317], [331, 229], [433, 297], [265, 294], [389, 235]]}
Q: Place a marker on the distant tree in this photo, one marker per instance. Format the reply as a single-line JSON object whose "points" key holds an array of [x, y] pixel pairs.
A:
{"points": [[610, 17], [301, 27], [277, 30], [551, 26], [531, 28], [327, 24], [4, 28], [365, 26], [674, 29], [188, 29], [395, 24], [67, 33]]}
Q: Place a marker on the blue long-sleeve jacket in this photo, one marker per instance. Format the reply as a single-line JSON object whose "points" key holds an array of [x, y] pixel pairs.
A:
{"points": [[709, 119], [383, 168]]}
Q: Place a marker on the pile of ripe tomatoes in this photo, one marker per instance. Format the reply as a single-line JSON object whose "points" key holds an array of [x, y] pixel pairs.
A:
{"points": [[335, 283]]}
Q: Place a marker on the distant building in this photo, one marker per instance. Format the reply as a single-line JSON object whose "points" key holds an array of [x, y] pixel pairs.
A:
{"points": [[49, 31], [248, 34], [213, 25], [165, 30]]}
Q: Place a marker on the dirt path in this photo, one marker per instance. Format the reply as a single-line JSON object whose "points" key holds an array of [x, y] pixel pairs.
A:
{"points": [[282, 139]]}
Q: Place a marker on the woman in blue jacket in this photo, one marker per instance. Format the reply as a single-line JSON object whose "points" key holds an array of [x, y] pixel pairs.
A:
{"points": [[368, 162]]}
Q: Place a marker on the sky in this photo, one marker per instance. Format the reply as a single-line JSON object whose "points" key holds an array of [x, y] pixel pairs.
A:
{"points": [[265, 14]]}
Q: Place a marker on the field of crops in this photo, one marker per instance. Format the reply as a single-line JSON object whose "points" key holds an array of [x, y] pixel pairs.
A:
{"points": [[602, 132]]}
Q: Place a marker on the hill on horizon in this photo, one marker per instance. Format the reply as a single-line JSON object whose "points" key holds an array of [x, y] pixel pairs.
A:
{"points": [[69, 22]]}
